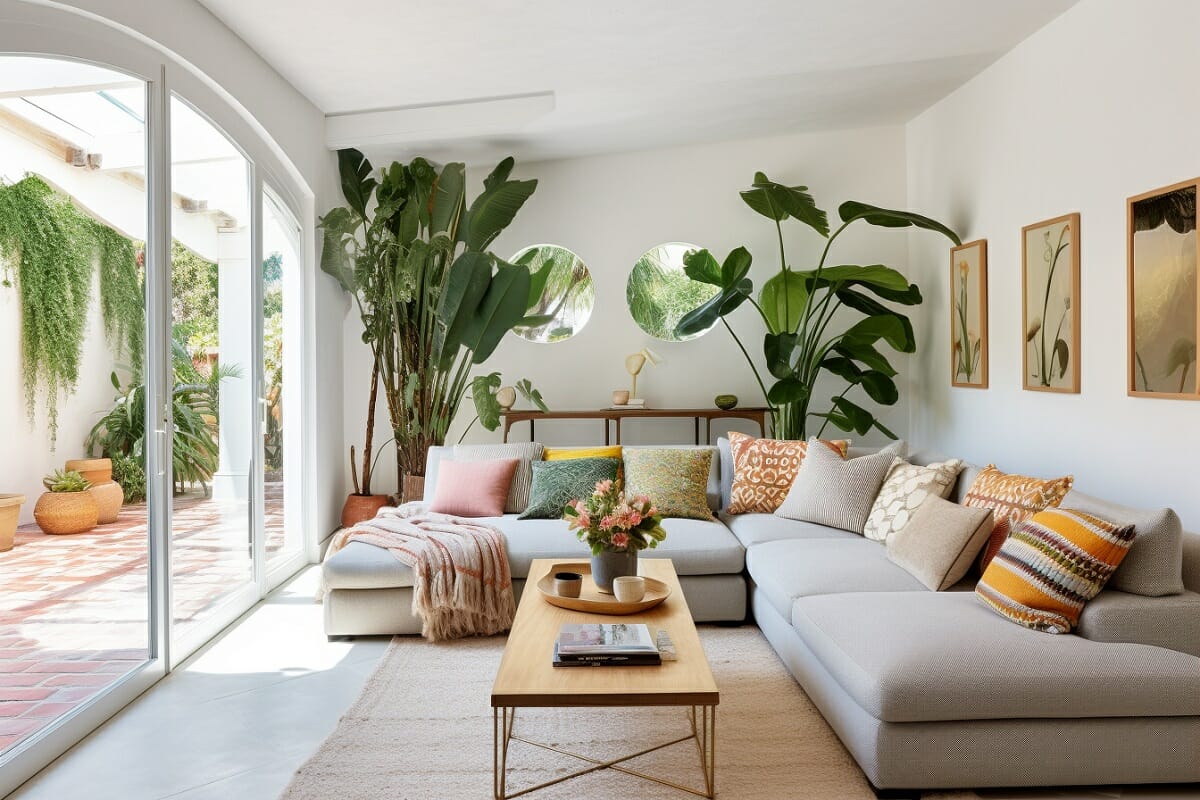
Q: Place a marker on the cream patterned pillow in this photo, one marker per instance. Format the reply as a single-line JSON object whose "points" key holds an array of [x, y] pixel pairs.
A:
{"points": [[904, 490]]}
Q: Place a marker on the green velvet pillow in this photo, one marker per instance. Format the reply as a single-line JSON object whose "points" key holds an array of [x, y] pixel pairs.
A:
{"points": [[675, 480], [556, 483]]}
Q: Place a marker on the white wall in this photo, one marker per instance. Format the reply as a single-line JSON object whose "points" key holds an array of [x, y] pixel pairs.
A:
{"points": [[1096, 107], [610, 209]]}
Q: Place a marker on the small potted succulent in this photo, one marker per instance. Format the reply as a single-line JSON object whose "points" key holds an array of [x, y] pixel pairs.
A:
{"points": [[67, 506], [10, 512], [108, 494]]}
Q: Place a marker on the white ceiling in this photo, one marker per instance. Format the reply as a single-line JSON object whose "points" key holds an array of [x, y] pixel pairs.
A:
{"points": [[631, 74]]}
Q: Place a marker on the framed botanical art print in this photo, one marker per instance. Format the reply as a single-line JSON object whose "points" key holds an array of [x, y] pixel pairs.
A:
{"points": [[1163, 321], [968, 315], [1050, 296]]}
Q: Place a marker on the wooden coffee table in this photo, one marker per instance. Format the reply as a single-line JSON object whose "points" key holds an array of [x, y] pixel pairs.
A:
{"points": [[527, 679]]}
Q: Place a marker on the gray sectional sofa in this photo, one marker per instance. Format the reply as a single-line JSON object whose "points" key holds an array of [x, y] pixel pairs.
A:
{"points": [[926, 689]]}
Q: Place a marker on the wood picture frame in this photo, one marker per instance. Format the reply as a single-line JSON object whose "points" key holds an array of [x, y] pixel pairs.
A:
{"points": [[1163, 256], [969, 315], [1050, 270]]}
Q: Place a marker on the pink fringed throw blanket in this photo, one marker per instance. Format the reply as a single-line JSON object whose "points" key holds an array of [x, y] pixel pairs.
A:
{"points": [[462, 583]]}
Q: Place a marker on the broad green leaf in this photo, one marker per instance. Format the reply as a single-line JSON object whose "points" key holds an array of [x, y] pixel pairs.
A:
{"points": [[865, 354], [704, 317], [448, 202], [502, 308], [890, 328], [843, 367], [495, 207], [483, 392], [778, 349], [468, 282], [336, 228], [788, 390], [525, 387], [699, 265], [537, 281], [735, 267], [841, 421], [860, 419], [880, 388], [782, 300], [357, 184], [888, 218], [875, 275], [860, 302], [883, 429], [777, 202]]}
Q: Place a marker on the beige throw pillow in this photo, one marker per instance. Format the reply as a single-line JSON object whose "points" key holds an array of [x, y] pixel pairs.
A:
{"points": [[904, 490], [837, 493], [940, 542]]}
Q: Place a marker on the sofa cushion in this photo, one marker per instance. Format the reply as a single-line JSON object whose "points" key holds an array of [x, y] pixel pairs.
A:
{"points": [[930, 656], [675, 480], [696, 547], [526, 452], [1172, 621], [1154, 566], [752, 529], [474, 488], [941, 542], [359, 565], [785, 570], [1050, 566], [764, 470], [831, 490], [712, 489], [904, 489], [1013, 498], [556, 483]]}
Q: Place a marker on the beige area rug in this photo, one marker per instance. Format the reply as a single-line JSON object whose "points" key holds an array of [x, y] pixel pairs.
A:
{"points": [[423, 729]]}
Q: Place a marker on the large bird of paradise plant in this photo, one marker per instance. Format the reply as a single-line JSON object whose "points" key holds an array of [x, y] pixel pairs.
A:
{"points": [[434, 301], [797, 307]]}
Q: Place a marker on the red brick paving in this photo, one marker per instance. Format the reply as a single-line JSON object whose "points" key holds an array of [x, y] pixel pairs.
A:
{"points": [[74, 612]]}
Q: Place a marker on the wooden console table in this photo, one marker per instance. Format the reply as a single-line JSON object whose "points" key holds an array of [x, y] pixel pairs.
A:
{"points": [[758, 415]]}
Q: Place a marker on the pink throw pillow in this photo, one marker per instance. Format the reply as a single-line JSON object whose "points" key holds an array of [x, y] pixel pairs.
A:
{"points": [[473, 488]]}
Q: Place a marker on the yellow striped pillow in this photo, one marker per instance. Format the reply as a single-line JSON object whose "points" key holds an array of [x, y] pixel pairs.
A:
{"points": [[563, 453], [1050, 565]]}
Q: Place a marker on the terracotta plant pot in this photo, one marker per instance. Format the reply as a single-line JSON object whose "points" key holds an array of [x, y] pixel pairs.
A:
{"points": [[10, 512], [66, 512], [109, 497], [360, 507], [95, 470]]}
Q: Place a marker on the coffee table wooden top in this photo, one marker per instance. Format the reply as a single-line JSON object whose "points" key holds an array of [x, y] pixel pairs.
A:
{"points": [[527, 678]]}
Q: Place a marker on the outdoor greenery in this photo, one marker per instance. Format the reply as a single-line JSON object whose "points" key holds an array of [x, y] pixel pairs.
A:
{"points": [[193, 298], [659, 294], [433, 300], [66, 481], [131, 475], [567, 298], [50, 250], [797, 308], [194, 409]]}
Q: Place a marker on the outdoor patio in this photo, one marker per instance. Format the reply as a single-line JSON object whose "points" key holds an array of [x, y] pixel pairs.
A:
{"points": [[75, 612]]}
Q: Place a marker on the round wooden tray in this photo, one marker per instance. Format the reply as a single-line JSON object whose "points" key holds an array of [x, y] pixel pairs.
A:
{"points": [[592, 600]]}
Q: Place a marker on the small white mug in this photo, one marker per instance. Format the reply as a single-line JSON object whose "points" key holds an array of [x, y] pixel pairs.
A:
{"points": [[629, 588]]}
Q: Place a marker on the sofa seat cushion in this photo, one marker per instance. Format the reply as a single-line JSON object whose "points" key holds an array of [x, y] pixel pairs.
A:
{"points": [[1172, 621], [752, 529], [359, 565], [936, 656], [785, 570], [697, 547]]}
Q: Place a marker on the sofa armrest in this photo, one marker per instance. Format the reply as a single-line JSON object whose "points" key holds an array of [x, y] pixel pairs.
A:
{"points": [[1172, 621]]}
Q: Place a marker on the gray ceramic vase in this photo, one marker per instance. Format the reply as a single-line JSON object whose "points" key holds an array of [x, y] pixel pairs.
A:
{"points": [[613, 564]]}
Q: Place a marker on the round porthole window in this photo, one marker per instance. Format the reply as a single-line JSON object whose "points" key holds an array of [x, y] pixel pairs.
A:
{"points": [[660, 293], [568, 297]]}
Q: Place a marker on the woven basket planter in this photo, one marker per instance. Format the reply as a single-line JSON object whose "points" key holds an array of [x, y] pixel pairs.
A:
{"points": [[10, 512], [94, 470], [109, 497], [66, 512]]}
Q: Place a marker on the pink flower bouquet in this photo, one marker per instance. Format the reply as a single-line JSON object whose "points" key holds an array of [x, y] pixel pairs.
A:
{"points": [[607, 520]]}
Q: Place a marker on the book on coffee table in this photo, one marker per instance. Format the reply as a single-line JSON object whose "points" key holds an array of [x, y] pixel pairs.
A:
{"points": [[597, 644]]}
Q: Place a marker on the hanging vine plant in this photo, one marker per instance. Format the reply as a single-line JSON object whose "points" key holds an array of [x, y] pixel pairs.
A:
{"points": [[48, 248]]}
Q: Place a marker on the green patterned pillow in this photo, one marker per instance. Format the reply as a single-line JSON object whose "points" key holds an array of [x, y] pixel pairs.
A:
{"points": [[556, 483], [675, 480]]}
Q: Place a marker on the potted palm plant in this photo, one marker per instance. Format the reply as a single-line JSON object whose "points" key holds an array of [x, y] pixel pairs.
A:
{"points": [[66, 506], [434, 302], [10, 512]]}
